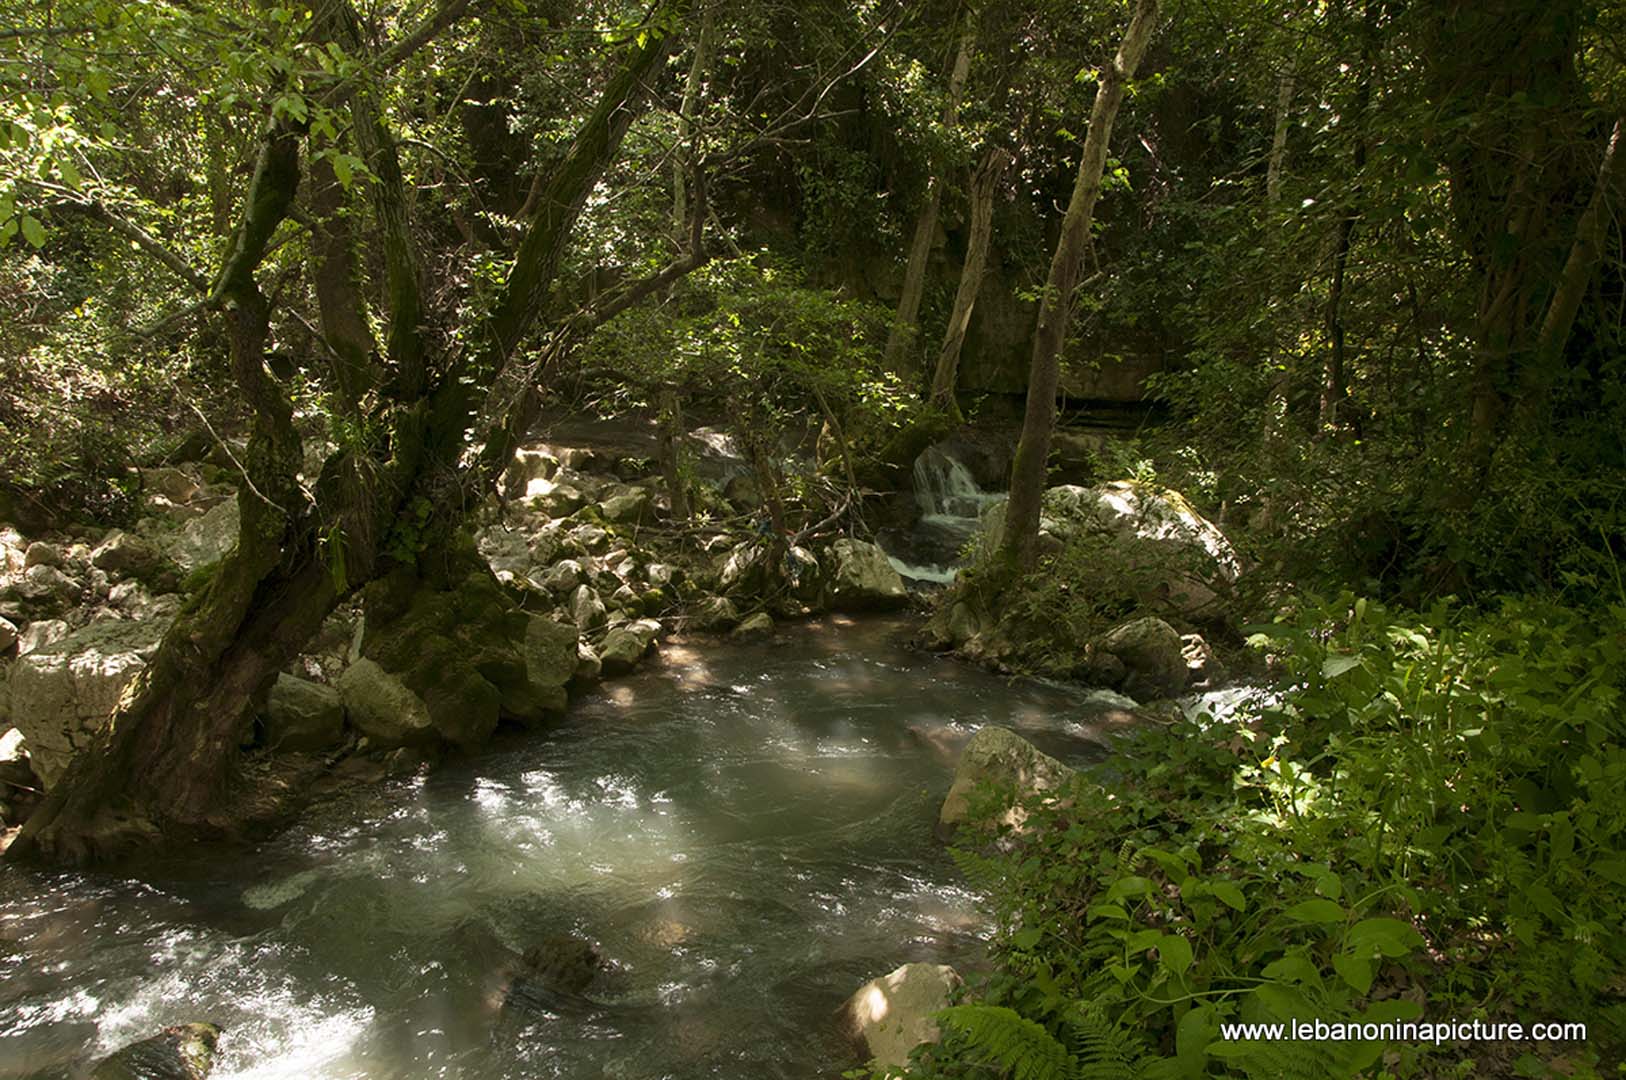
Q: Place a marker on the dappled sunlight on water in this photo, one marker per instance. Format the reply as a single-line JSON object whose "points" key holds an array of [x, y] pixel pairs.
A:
{"points": [[745, 832]]}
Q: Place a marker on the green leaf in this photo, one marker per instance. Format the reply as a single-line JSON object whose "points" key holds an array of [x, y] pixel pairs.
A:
{"points": [[1388, 937], [33, 231], [1355, 970], [1335, 666], [1175, 952], [1027, 939], [1315, 911], [1230, 895]]}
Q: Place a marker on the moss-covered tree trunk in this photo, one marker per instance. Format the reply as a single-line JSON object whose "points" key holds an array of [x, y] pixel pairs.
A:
{"points": [[163, 766], [1029, 468]]}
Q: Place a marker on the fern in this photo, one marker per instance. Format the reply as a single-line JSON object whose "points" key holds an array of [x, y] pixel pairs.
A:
{"points": [[1102, 1050], [1022, 1048]]}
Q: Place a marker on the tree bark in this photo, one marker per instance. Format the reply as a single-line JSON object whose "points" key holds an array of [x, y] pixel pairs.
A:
{"points": [[904, 330], [688, 153], [983, 184], [1028, 470], [1585, 254], [669, 448], [1278, 140]]}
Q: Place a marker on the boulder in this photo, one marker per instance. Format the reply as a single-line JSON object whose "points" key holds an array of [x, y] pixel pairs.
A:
{"points": [[528, 474], [1179, 561], [661, 575], [39, 553], [556, 500], [550, 661], [8, 634], [1204, 669], [1152, 655], [63, 692], [176, 485], [132, 557], [383, 708], [633, 507], [588, 665], [1002, 759], [626, 645], [625, 598], [137, 601], [205, 540], [754, 628], [504, 550], [562, 577], [894, 1014], [587, 611], [590, 538], [715, 615], [745, 571], [39, 634], [302, 715], [183, 1052], [863, 579]]}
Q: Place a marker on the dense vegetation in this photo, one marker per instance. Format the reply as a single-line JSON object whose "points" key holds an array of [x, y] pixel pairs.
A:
{"points": [[1370, 251]]}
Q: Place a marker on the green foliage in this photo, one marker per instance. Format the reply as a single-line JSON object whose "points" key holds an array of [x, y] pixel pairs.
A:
{"points": [[1424, 819]]}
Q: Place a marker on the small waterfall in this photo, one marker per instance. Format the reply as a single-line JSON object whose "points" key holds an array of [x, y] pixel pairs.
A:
{"points": [[945, 488], [951, 506]]}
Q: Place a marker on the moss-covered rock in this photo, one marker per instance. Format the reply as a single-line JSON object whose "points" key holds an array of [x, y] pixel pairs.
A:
{"points": [[183, 1052]]}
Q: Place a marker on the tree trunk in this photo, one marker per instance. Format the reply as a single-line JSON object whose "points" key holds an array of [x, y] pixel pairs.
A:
{"points": [[1585, 254], [1278, 140], [904, 330], [669, 448], [687, 153], [1335, 370], [983, 185], [1028, 470]]}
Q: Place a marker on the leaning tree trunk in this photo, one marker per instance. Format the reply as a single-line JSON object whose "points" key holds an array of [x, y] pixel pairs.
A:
{"points": [[1044, 375], [904, 330], [162, 765], [983, 183], [669, 448]]}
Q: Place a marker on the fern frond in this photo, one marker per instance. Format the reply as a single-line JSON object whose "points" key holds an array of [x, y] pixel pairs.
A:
{"points": [[1016, 1044], [1101, 1049]]}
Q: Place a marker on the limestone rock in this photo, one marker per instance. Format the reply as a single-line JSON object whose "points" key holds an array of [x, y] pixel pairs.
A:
{"points": [[526, 470], [893, 1014], [556, 500], [1001, 758], [715, 616], [1179, 560], [133, 557], [40, 553], [562, 577], [588, 665], [1203, 668], [175, 484], [587, 611], [863, 579], [754, 628], [39, 634], [745, 571], [206, 540], [590, 538], [62, 693], [633, 507], [8, 634], [626, 645], [1151, 652], [550, 661], [183, 1052], [302, 715], [383, 708]]}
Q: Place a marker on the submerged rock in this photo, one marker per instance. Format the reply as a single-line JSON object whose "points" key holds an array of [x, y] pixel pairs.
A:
{"points": [[893, 1014], [863, 579], [1004, 761], [183, 1052]]}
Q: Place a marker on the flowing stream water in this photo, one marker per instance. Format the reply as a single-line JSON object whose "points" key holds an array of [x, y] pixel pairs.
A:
{"points": [[745, 831]]}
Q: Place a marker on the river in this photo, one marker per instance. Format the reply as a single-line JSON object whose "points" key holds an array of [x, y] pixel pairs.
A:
{"points": [[744, 830]]}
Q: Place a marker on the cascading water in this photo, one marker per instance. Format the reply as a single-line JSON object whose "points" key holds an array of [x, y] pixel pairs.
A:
{"points": [[951, 506]]}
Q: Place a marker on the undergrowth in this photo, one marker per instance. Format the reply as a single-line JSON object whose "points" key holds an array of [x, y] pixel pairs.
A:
{"points": [[1424, 821]]}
